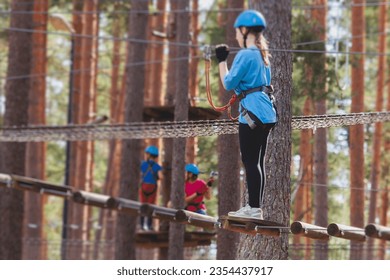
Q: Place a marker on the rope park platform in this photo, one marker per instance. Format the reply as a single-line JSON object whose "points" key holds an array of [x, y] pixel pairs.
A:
{"points": [[135, 208]]}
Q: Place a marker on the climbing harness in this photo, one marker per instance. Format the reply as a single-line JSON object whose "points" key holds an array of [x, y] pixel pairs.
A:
{"points": [[207, 57], [248, 116]]}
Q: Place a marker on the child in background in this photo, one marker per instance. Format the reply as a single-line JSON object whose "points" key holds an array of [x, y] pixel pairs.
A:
{"points": [[148, 190], [196, 190]]}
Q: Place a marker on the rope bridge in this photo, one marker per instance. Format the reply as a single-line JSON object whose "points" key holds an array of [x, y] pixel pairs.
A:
{"points": [[135, 208], [143, 130]]}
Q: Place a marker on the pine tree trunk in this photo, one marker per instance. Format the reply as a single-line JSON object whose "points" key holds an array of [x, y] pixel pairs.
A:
{"points": [[36, 151], [302, 201], [278, 159], [168, 142], [176, 232], [134, 104], [356, 134], [376, 161], [112, 178], [320, 137], [229, 183], [16, 114], [87, 108], [75, 97]]}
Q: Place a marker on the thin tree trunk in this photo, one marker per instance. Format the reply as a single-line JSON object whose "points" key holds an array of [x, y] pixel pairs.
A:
{"points": [[75, 93], [302, 200], [134, 104], [386, 182], [192, 142], [16, 114], [176, 232], [320, 137], [84, 154], [34, 236], [278, 159], [376, 161], [357, 131], [229, 184], [168, 142], [112, 178]]}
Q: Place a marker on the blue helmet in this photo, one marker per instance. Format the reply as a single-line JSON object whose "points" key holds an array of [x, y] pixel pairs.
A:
{"points": [[192, 168], [152, 150], [250, 18]]}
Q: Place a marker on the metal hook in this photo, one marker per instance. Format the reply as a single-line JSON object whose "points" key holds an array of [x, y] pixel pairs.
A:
{"points": [[207, 52]]}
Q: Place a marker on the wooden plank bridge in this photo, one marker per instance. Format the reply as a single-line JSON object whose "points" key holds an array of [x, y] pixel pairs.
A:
{"points": [[182, 216]]}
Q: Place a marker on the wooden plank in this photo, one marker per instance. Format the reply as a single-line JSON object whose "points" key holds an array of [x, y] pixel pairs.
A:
{"points": [[377, 231], [159, 212], [92, 199], [39, 186], [346, 232], [128, 206], [251, 226], [309, 230], [188, 217]]}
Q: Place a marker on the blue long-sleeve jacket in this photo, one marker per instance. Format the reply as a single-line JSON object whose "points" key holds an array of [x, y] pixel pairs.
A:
{"points": [[249, 71]]}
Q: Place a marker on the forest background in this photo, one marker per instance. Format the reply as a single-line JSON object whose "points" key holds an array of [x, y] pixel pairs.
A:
{"points": [[324, 60]]}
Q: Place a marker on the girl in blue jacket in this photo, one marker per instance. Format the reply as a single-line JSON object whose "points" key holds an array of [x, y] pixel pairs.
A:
{"points": [[250, 78]]}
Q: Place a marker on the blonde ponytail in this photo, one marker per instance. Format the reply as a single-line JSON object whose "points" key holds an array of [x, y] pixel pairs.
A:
{"points": [[262, 45]]}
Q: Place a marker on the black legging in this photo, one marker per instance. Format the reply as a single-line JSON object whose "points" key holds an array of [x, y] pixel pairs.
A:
{"points": [[253, 144]]}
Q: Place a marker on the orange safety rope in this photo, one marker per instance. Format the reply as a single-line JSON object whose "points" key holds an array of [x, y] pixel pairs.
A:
{"points": [[209, 97]]}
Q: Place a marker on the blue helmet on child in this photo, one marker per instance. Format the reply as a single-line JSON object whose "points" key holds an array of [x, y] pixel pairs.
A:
{"points": [[152, 150], [250, 18], [192, 168]]}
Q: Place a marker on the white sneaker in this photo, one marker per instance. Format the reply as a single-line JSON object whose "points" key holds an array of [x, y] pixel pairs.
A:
{"points": [[247, 212]]}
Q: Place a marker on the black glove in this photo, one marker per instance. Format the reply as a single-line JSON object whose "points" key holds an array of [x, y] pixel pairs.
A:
{"points": [[221, 52]]}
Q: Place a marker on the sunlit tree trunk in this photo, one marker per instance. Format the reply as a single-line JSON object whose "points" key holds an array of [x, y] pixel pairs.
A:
{"points": [[34, 248], [320, 137], [357, 131], [87, 110], [13, 154], [278, 158], [376, 160], [302, 198], [75, 93], [384, 191], [106, 217]]}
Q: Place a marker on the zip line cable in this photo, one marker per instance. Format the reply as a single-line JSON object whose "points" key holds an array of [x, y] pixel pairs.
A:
{"points": [[179, 44], [144, 62], [199, 11], [174, 129]]}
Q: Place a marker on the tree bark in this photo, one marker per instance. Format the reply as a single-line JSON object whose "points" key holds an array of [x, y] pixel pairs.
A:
{"points": [[302, 202], [176, 232], [357, 131], [376, 148], [168, 101], [36, 151], [106, 218], [278, 159], [320, 137], [134, 104], [16, 114], [87, 108], [229, 183]]}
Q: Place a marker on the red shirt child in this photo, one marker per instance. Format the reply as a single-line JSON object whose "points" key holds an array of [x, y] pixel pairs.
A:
{"points": [[196, 190]]}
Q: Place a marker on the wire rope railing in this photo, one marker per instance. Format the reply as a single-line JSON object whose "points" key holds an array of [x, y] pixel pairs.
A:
{"points": [[171, 129]]}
